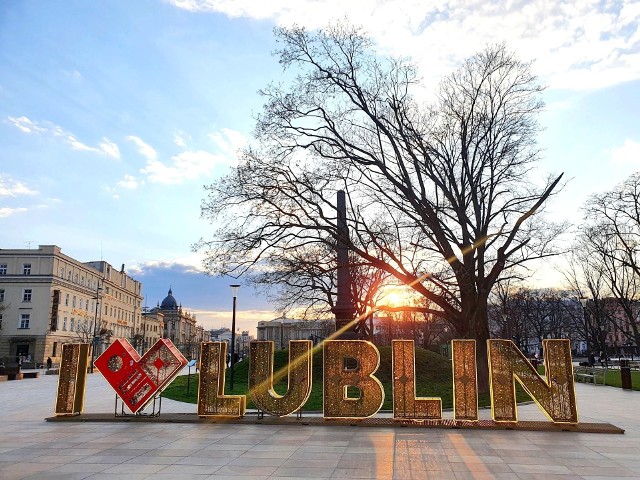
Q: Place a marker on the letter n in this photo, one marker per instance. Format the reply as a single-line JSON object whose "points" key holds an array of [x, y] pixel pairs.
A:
{"points": [[555, 395]]}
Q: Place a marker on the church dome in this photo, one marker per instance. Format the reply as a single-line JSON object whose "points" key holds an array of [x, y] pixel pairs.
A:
{"points": [[169, 302]]}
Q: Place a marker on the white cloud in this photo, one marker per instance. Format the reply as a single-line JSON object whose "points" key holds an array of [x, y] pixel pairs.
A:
{"points": [[26, 125], [628, 153], [130, 182], [579, 44], [12, 188], [144, 149], [109, 148], [184, 166], [6, 211], [187, 264], [180, 138], [191, 165], [229, 141]]}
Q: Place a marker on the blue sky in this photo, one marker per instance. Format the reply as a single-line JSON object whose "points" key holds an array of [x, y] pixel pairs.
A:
{"points": [[114, 114]]}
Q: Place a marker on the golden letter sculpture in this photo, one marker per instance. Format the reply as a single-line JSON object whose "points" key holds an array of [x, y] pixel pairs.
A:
{"points": [[338, 377], [465, 381], [261, 377], [405, 403], [72, 378], [556, 396], [212, 402]]}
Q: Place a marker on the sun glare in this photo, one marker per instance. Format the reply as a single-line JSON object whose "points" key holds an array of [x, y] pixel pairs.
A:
{"points": [[395, 296]]}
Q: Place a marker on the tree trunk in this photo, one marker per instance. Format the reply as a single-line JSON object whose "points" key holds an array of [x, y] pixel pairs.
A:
{"points": [[481, 335]]}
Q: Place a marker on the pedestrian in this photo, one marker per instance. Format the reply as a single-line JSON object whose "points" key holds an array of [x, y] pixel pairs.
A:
{"points": [[49, 363]]}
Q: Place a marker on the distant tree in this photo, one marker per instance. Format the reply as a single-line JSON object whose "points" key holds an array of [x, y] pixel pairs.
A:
{"points": [[439, 195], [84, 330], [586, 279], [611, 240], [506, 317], [3, 307]]}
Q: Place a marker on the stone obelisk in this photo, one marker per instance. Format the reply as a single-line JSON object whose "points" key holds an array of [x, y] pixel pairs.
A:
{"points": [[344, 309]]}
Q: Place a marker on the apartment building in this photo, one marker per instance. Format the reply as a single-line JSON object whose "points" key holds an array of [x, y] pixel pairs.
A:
{"points": [[48, 298]]}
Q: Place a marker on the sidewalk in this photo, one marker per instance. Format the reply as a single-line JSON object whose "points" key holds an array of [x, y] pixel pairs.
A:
{"points": [[35, 449]]}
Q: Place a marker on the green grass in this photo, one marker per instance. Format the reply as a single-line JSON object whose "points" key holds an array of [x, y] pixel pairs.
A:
{"points": [[433, 379], [613, 379]]}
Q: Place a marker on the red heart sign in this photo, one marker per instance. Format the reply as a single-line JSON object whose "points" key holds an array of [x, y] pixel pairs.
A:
{"points": [[136, 379]]}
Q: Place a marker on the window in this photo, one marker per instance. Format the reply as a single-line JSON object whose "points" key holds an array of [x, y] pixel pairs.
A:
{"points": [[0, 321], [55, 349], [69, 275], [3, 269], [66, 300], [81, 304], [71, 325], [26, 295], [64, 324], [62, 272], [73, 304], [26, 269], [24, 320], [1, 295]]}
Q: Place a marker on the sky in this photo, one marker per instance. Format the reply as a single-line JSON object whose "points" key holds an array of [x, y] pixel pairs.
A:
{"points": [[113, 115]]}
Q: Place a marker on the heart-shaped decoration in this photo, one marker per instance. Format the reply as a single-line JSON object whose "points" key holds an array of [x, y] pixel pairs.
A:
{"points": [[136, 380]]}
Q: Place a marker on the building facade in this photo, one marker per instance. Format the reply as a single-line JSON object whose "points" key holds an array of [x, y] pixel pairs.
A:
{"points": [[49, 298], [281, 330], [179, 326], [151, 330]]}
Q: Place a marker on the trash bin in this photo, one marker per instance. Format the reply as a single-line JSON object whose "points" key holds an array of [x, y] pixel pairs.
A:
{"points": [[625, 374]]}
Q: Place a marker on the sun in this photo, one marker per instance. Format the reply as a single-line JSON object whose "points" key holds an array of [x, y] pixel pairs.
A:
{"points": [[393, 299], [395, 296]]}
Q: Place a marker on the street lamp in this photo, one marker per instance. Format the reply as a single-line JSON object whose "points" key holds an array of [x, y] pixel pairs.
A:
{"points": [[95, 325], [234, 291]]}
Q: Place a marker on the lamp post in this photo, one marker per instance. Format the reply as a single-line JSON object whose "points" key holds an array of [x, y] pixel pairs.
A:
{"points": [[94, 340], [234, 290]]}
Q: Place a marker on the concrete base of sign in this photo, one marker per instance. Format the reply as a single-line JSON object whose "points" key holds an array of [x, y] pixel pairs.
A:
{"points": [[253, 419]]}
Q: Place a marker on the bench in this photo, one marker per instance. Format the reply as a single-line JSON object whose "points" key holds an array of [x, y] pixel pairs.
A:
{"points": [[12, 371], [589, 374], [30, 374]]}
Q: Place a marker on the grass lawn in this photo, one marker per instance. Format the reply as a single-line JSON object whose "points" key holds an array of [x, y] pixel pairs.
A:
{"points": [[433, 379], [613, 378]]}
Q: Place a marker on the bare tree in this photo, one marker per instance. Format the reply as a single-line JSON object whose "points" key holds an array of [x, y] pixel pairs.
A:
{"points": [[84, 330], [585, 278], [611, 234], [439, 195], [304, 280]]}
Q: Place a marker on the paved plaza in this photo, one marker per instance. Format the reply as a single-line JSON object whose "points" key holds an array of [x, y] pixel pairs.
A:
{"points": [[31, 448]]}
